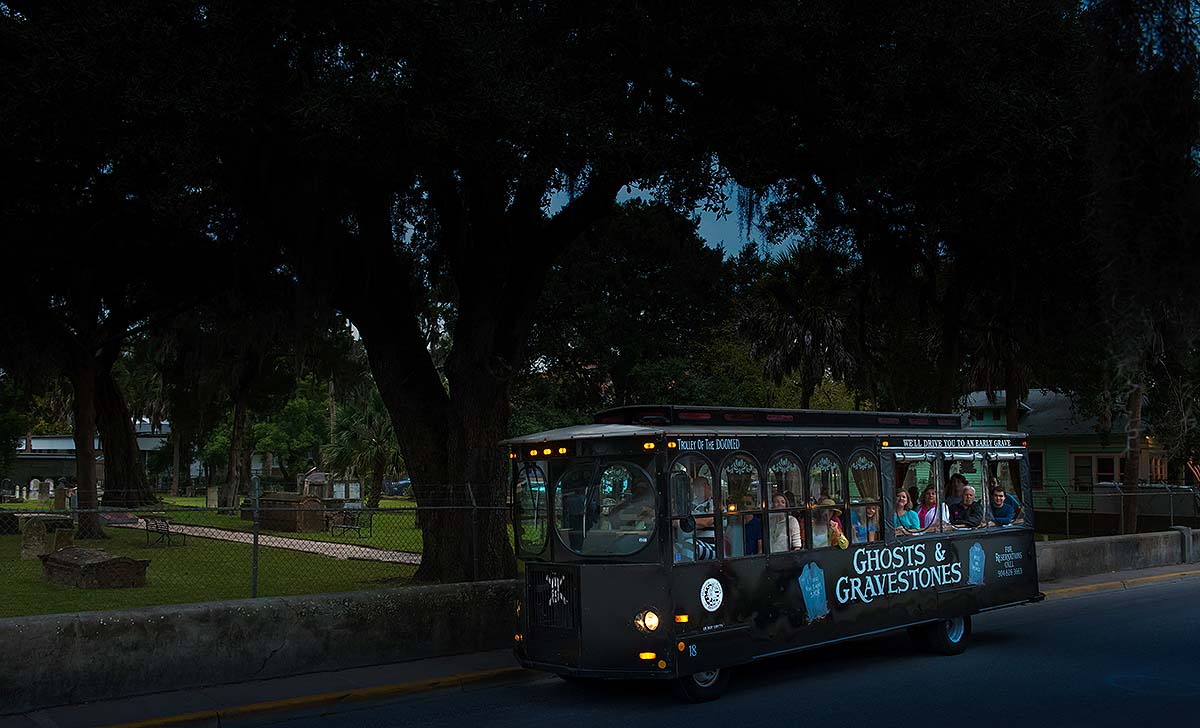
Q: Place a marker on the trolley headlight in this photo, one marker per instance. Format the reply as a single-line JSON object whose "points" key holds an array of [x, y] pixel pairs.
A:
{"points": [[646, 621]]}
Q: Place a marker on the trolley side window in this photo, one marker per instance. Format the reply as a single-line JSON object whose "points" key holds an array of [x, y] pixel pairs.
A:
{"points": [[692, 509], [965, 492], [864, 498], [742, 501], [1006, 504], [825, 502], [785, 521]]}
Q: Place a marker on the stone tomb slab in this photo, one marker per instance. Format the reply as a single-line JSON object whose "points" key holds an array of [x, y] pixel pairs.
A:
{"points": [[93, 569]]}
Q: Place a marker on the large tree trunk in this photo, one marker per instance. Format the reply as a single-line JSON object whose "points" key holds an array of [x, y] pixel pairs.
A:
{"points": [[124, 482], [174, 463], [237, 444], [1133, 457], [83, 382], [377, 471]]}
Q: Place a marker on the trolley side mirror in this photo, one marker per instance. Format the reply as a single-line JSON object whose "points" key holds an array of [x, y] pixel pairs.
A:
{"points": [[688, 524]]}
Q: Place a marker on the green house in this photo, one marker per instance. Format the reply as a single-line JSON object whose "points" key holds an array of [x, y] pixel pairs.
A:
{"points": [[1071, 457]]}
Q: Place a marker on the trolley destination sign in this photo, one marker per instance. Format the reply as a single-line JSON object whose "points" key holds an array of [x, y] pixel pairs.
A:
{"points": [[949, 443]]}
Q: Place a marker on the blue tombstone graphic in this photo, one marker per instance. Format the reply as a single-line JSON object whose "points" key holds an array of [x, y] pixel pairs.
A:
{"points": [[975, 567], [812, 586]]}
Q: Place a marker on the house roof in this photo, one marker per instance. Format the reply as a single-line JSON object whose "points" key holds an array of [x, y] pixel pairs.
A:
{"points": [[1045, 412]]}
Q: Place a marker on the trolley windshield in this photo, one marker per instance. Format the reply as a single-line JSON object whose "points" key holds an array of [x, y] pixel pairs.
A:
{"points": [[601, 506]]}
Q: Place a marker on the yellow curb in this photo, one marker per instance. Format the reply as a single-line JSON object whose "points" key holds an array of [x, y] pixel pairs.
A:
{"points": [[1120, 583], [312, 701]]}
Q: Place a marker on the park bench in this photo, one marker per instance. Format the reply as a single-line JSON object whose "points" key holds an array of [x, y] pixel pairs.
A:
{"points": [[160, 528], [352, 519]]}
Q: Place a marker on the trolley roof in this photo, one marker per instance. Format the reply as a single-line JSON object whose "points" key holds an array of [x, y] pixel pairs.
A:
{"points": [[928, 439]]}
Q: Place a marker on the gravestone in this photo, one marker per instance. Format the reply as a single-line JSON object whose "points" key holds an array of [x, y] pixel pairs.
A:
{"points": [[64, 538], [34, 489], [60, 499], [212, 497], [44, 490], [34, 539], [93, 569]]}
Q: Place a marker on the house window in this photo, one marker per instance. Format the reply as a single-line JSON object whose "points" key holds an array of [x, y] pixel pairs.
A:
{"points": [[1037, 469], [1081, 478]]}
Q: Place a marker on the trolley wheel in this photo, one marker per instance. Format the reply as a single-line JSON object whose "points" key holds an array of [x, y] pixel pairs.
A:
{"points": [[943, 637], [702, 686]]}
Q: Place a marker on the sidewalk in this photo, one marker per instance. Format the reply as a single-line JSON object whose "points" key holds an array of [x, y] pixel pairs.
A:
{"points": [[332, 549], [206, 706]]}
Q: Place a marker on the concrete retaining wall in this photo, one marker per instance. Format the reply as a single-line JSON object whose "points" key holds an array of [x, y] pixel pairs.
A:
{"points": [[72, 658], [1059, 560]]}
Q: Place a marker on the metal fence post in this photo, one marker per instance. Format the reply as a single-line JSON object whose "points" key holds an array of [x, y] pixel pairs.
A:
{"points": [[474, 534], [254, 550], [1067, 505], [1171, 501]]}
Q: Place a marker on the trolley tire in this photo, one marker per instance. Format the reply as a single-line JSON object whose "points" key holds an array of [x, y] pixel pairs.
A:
{"points": [[703, 686], [943, 637]]}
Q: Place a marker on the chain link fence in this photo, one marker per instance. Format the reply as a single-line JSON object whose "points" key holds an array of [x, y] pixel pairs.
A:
{"points": [[179, 551], [1100, 509]]}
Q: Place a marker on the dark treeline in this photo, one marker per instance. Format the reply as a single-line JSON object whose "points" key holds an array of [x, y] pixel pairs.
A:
{"points": [[201, 197]]}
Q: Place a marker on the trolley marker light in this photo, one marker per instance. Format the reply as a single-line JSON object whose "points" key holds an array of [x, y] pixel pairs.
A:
{"points": [[681, 619], [562, 451], [533, 453], [662, 664], [546, 451], [512, 456], [648, 446], [671, 444], [647, 656], [681, 647]]}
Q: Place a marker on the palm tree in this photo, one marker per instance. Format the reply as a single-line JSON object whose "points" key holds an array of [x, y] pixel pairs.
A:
{"points": [[796, 322], [364, 445]]}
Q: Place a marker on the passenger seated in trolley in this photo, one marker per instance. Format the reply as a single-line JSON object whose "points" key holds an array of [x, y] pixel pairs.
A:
{"points": [[1005, 508], [904, 519], [954, 490], [786, 532], [931, 516], [968, 513], [865, 531], [827, 529]]}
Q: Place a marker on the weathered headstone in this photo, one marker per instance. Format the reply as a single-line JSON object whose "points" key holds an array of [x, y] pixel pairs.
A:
{"points": [[64, 538], [212, 497], [34, 539], [60, 499], [93, 569], [34, 489], [44, 490]]}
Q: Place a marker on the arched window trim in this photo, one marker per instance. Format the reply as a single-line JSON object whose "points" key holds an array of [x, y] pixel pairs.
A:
{"points": [[841, 469], [758, 470], [874, 460]]}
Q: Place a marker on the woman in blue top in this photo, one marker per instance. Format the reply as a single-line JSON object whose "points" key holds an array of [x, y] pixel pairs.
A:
{"points": [[905, 519]]}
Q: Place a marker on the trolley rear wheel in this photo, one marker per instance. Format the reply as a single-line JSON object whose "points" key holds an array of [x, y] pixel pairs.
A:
{"points": [[943, 637], [702, 686]]}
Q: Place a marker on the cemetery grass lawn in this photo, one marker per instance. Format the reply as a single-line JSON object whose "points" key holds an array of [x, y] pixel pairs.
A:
{"points": [[202, 570]]}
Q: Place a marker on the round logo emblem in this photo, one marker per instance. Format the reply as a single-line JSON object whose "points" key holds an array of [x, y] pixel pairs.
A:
{"points": [[711, 595]]}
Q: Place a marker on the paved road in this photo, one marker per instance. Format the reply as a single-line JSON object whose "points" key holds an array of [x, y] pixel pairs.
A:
{"points": [[1115, 658]]}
